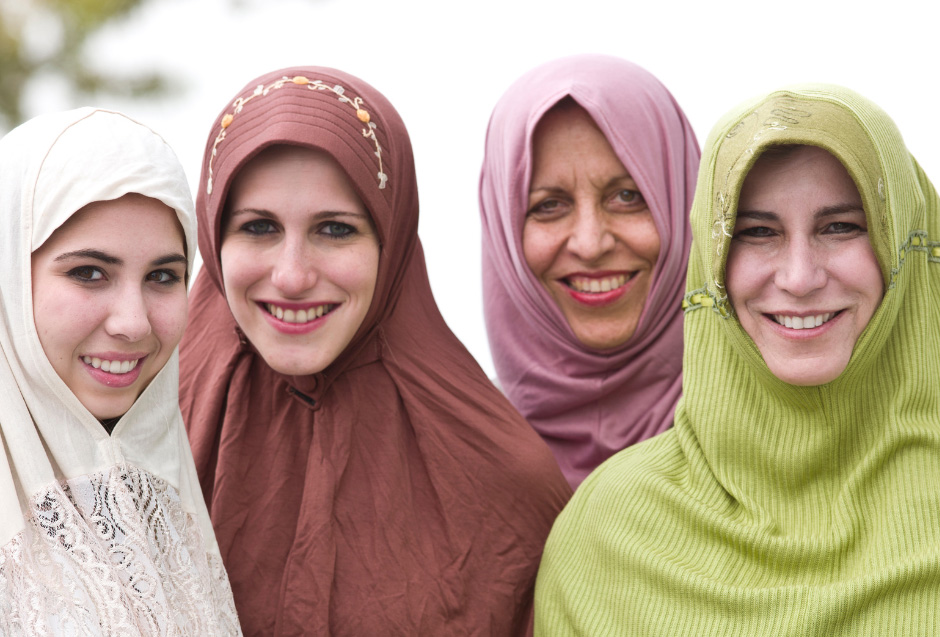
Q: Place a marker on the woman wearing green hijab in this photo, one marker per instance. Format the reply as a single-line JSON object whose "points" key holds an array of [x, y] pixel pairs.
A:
{"points": [[799, 491]]}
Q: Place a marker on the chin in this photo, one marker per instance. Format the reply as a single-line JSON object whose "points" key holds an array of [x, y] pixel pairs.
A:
{"points": [[603, 342], [107, 411], [302, 367], [807, 376]]}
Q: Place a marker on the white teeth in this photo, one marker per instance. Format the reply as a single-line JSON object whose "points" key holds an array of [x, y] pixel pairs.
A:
{"points": [[584, 284], [114, 367], [298, 316], [802, 322]]}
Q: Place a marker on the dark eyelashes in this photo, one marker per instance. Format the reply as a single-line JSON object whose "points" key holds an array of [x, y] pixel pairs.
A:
{"points": [[85, 274], [331, 229], [172, 277]]}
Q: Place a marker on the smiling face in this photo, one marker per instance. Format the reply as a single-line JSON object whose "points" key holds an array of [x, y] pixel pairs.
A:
{"points": [[801, 274], [299, 258], [589, 236], [109, 299]]}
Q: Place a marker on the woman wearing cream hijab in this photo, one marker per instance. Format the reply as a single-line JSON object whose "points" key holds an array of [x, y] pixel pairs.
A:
{"points": [[103, 530]]}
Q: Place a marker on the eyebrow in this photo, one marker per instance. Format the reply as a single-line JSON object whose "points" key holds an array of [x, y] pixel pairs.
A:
{"points": [[171, 258], [98, 255], [826, 211], [610, 182], [323, 214]]}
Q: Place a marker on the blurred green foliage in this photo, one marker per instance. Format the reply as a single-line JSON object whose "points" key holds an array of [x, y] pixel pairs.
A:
{"points": [[71, 23]]}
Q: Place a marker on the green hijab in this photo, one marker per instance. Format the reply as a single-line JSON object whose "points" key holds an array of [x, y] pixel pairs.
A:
{"points": [[773, 509]]}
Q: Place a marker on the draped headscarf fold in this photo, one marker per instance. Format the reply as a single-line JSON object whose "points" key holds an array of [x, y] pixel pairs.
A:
{"points": [[587, 404], [775, 509], [99, 534], [395, 492]]}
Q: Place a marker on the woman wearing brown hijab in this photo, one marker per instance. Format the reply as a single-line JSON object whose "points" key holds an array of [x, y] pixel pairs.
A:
{"points": [[363, 475]]}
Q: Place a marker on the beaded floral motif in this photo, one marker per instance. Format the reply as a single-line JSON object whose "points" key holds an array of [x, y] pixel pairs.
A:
{"points": [[355, 103]]}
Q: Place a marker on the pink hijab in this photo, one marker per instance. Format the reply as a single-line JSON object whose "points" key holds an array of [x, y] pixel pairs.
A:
{"points": [[587, 404]]}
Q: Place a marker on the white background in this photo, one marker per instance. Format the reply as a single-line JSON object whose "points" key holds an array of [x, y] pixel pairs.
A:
{"points": [[445, 64]]}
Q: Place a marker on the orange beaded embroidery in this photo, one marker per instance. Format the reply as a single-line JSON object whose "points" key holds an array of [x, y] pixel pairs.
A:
{"points": [[314, 85]]}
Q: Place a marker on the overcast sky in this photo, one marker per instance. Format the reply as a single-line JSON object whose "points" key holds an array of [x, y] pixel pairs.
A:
{"points": [[444, 65]]}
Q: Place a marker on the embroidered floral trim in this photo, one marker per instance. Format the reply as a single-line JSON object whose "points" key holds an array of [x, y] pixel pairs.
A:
{"points": [[916, 242], [113, 553], [314, 85], [703, 297]]}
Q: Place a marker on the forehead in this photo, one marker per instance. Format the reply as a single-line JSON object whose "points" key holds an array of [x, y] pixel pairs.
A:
{"points": [[795, 178], [130, 222], [565, 123], [567, 138], [283, 173]]}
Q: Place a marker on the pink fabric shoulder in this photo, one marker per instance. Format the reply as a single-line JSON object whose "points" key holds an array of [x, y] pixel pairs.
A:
{"points": [[587, 404]]}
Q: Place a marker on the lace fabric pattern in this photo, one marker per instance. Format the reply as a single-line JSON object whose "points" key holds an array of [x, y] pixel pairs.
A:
{"points": [[112, 553]]}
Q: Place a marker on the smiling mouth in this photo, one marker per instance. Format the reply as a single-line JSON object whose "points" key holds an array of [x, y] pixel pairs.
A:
{"points": [[112, 367], [299, 316], [591, 285], [803, 322]]}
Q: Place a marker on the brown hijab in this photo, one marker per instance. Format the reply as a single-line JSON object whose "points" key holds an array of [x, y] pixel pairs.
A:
{"points": [[396, 492]]}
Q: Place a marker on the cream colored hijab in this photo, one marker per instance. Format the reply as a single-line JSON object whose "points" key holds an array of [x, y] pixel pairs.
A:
{"points": [[99, 534]]}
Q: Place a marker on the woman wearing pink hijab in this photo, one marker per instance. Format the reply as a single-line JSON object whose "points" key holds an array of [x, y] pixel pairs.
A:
{"points": [[586, 185]]}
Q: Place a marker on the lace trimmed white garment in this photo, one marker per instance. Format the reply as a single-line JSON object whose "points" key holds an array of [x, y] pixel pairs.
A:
{"points": [[104, 535], [112, 554]]}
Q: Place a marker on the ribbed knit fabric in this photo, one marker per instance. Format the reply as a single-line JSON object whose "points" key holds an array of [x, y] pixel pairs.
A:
{"points": [[772, 509]]}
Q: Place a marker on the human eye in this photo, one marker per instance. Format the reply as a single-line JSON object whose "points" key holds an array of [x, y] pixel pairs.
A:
{"points": [[164, 277], [86, 274], [546, 209], [754, 232], [845, 228], [337, 230], [258, 227], [632, 199]]}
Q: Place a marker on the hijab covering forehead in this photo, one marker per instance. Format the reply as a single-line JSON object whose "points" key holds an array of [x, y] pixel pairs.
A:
{"points": [[396, 491], [72, 496], [355, 125], [586, 403], [771, 508]]}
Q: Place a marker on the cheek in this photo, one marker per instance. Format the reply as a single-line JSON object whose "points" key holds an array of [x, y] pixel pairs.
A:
{"points": [[168, 315], [241, 267], [859, 270], [357, 273], [641, 236], [540, 243], [742, 275], [61, 332]]}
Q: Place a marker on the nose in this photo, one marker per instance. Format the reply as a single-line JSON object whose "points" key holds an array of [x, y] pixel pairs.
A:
{"points": [[590, 238], [293, 272], [801, 270], [129, 316]]}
